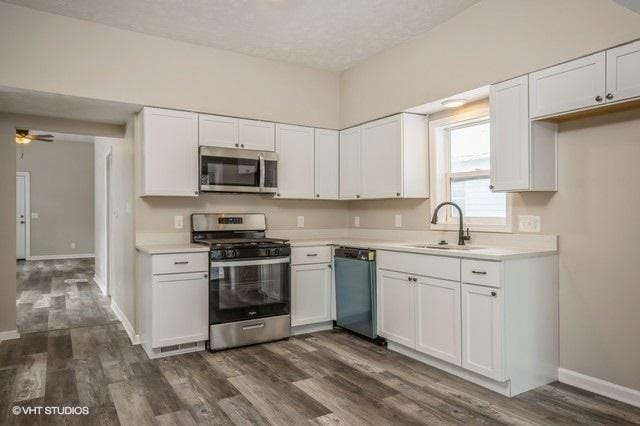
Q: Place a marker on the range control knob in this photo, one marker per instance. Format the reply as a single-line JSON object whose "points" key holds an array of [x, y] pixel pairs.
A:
{"points": [[275, 252]]}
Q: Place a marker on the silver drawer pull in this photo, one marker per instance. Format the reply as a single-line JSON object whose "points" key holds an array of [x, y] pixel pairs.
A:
{"points": [[479, 272], [312, 254], [253, 327], [184, 262]]}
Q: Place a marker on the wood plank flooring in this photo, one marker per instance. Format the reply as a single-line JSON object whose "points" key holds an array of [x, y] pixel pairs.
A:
{"points": [[321, 378]]}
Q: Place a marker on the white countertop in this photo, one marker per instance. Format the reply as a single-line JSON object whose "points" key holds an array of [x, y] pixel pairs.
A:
{"points": [[482, 252], [172, 248]]}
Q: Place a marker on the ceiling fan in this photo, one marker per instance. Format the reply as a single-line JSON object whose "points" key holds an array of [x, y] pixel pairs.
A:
{"points": [[23, 137]]}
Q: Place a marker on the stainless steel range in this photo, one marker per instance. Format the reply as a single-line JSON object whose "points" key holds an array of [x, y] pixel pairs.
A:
{"points": [[249, 279]]}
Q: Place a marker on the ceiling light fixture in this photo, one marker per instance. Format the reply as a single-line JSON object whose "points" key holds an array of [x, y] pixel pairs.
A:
{"points": [[22, 140], [453, 103]]}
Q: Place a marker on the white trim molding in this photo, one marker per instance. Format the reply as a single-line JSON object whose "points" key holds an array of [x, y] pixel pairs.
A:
{"points": [[135, 339], [9, 335], [599, 386], [63, 256], [27, 213], [100, 283]]}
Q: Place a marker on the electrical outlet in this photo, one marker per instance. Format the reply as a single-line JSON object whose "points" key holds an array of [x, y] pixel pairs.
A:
{"points": [[35, 215], [398, 221], [356, 221], [528, 223], [178, 222], [72, 245], [300, 221]]}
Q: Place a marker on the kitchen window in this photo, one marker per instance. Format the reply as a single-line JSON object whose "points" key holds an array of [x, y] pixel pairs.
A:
{"points": [[460, 147]]}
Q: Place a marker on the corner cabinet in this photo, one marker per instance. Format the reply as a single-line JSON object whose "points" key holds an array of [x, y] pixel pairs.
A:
{"points": [[327, 164], [295, 146], [386, 158], [168, 148], [523, 152]]}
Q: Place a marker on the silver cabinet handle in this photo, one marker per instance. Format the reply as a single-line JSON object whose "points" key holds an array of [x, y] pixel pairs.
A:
{"points": [[408, 278], [479, 272], [237, 145], [183, 262], [415, 279], [609, 96], [494, 294], [598, 98], [253, 327], [312, 254]]}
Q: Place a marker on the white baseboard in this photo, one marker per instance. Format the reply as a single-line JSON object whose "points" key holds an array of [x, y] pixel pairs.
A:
{"points": [[135, 339], [63, 256], [101, 284], [599, 386], [311, 328], [9, 335]]}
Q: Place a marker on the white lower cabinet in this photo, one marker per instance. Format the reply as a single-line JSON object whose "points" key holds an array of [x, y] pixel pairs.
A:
{"points": [[482, 324], [311, 285], [397, 308], [180, 312], [173, 302], [438, 319]]}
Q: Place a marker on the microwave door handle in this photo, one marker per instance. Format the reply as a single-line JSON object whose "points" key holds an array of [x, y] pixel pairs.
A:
{"points": [[262, 171]]}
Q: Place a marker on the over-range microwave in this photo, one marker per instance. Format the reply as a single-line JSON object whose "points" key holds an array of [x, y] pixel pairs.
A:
{"points": [[238, 170]]}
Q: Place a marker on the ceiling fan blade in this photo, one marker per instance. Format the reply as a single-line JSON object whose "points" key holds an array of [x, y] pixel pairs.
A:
{"points": [[42, 136], [42, 139]]}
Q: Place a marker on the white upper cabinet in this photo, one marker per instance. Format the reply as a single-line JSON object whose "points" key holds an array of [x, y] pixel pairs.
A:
{"points": [[623, 72], [327, 158], [523, 153], [386, 158], [218, 131], [382, 158], [296, 161], [569, 86], [509, 115], [350, 165], [257, 135], [229, 132], [168, 152]]}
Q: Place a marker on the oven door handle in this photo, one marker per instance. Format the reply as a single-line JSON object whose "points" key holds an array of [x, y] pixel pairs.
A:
{"points": [[257, 262], [262, 171]]}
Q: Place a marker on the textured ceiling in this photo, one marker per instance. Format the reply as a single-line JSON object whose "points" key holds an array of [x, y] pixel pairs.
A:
{"points": [[326, 34]]}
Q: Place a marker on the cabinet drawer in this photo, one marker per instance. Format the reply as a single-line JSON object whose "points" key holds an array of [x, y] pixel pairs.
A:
{"points": [[179, 263], [481, 272], [307, 255], [446, 268]]}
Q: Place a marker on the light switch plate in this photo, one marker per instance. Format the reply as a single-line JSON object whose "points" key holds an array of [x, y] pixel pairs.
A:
{"points": [[300, 221], [35, 215], [178, 222], [398, 221], [528, 223], [356, 221]]}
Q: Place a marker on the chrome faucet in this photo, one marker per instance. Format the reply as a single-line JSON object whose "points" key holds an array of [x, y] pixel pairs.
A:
{"points": [[461, 237]]}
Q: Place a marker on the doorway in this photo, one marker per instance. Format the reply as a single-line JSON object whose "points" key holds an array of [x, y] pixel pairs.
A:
{"points": [[23, 216]]}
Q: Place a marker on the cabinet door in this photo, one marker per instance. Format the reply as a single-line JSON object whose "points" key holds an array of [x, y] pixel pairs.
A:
{"points": [[569, 86], [218, 131], [257, 135], [509, 112], [381, 158], [180, 309], [623, 72], [396, 314], [310, 294], [482, 346], [327, 164], [350, 163], [295, 148], [169, 157], [438, 319]]}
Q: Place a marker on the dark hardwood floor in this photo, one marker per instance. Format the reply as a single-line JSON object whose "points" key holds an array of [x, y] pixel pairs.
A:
{"points": [[322, 378]]}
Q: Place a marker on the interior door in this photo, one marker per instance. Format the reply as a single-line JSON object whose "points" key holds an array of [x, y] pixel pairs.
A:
{"points": [[21, 217]]}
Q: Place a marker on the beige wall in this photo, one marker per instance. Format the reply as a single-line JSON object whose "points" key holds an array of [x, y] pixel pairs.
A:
{"points": [[8, 124], [156, 214], [95, 61], [491, 41], [62, 193]]}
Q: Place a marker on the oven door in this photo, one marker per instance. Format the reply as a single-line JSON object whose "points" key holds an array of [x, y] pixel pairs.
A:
{"points": [[247, 289], [237, 170]]}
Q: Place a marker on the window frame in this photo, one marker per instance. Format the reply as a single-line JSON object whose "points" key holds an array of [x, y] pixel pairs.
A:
{"points": [[442, 177]]}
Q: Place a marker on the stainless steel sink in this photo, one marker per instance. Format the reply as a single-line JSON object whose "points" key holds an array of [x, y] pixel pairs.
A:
{"points": [[445, 246]]}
